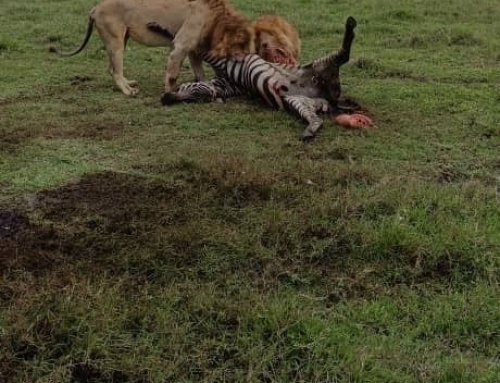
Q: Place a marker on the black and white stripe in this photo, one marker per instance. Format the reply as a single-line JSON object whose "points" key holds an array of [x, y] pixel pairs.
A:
{"points": [[254, 75]]}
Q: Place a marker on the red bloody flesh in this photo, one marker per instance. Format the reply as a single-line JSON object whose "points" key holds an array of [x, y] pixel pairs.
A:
{"points": [[355, 120], [277, 55]]}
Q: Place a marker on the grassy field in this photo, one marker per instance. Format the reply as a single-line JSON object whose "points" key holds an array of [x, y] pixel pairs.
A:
{"points": [[206, 243]]}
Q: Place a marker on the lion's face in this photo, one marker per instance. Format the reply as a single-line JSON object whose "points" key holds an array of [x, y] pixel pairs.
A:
{"points": [[270, 50], [276, 40]]}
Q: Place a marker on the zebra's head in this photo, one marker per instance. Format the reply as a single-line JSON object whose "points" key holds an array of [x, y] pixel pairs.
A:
{"points": [[325, 71]]}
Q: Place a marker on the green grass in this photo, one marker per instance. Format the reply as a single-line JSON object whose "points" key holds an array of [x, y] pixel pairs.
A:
{"points": [[207, 243]]}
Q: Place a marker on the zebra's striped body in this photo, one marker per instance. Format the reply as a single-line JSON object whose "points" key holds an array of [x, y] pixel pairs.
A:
{"points": [[269, 81], [308, 89]]}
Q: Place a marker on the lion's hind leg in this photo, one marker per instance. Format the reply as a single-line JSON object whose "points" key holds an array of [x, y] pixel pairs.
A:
{"points": [[114, 38], [132, 83], [128, 87], [111, 70]]}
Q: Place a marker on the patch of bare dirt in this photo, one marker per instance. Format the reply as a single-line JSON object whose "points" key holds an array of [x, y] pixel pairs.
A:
{"points": [[9, 366], [26, 247], [88, 373], [104, 130], [97, 220], [11, 222], [116, 196], [109, 216], [12, 140]]}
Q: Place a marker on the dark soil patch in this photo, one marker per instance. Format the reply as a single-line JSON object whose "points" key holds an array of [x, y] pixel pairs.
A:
{"points": [[119, 223], [88, 373], [112, 196], [26, 247], [113, 223], [151, 230], [203, 224], [11, 222], [9, 366], [104, 130], [12, 140]]}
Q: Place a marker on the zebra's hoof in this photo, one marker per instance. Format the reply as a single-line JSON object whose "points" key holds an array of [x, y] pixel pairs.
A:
{"points": [[168, 98], [307, 136], [351, 23]]}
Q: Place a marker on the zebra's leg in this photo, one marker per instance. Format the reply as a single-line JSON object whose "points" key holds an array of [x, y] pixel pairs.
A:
{"points": [[342, 56], [308, 109], [202, 91], [217, 89]]}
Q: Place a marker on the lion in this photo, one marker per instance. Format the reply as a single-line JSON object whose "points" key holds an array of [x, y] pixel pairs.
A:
{"points": [[276, 39], [196, 25]]}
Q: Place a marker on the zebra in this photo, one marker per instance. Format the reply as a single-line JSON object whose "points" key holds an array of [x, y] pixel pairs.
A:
{"points": [[308, 90]]}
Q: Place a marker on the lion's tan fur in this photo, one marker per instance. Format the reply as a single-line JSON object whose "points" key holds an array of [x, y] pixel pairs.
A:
{"points": [[229, 33], [271, 32], [231, 36], [198, 25]]}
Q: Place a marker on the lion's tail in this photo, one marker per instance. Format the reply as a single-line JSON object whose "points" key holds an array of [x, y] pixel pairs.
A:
{"points": [[90, 27]]}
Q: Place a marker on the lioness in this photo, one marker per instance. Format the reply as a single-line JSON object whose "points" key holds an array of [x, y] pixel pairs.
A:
{"points": [[198, 26]]}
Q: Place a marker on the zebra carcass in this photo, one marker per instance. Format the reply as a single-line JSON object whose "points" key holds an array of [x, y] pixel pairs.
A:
{"points": [[307, 89]]}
